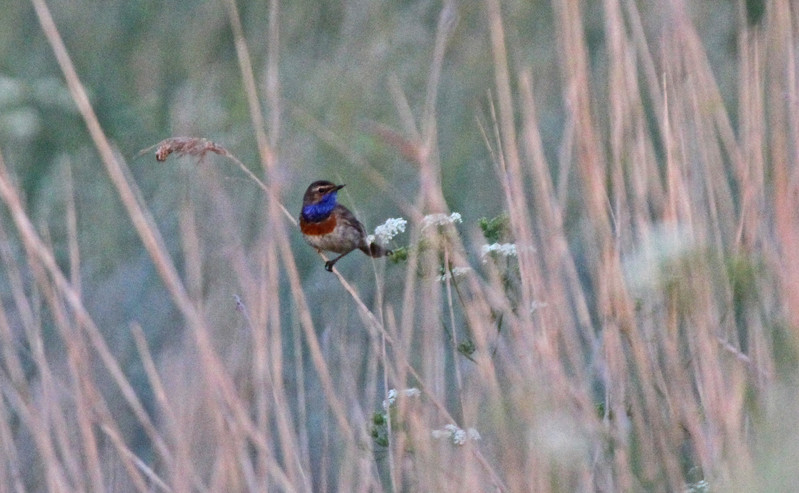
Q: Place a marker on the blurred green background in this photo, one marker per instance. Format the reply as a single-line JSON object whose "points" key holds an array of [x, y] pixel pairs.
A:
{"points": [[156, 69]]}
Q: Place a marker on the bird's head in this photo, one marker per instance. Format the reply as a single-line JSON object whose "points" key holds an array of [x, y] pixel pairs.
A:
{"points": [[319, 200], [319, 191]]}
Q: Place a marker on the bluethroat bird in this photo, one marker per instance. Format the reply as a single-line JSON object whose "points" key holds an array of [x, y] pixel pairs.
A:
{"points": [[329, 226]]}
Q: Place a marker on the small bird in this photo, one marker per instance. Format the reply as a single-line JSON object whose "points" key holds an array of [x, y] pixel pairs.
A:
{"points": [[329, 226]]}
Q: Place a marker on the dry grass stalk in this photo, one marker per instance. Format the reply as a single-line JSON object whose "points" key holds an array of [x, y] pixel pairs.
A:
{"points": [[660, 335], [185, 146]]}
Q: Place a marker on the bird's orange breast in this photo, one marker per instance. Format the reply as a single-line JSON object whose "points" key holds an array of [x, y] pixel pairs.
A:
{"points": [[318, 228]]}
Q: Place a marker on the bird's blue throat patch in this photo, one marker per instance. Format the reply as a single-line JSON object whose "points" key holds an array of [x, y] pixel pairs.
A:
{"points": [[321, 210]]}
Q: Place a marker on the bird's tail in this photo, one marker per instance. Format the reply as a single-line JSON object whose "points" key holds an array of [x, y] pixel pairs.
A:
{"points": [[375, 250]]}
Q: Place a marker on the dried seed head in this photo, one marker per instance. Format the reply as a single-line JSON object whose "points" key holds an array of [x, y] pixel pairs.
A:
{"points": [[185, 146]]}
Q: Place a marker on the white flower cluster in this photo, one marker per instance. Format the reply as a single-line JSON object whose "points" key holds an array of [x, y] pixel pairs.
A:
{"points": [[441, 220], [458, 436], [536, 305], [504, 249], [701, 486], [392, 396], [456, 272], [388, 230]]}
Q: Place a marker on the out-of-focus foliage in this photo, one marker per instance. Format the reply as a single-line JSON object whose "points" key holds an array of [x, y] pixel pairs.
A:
{"points": [[156, 69]]}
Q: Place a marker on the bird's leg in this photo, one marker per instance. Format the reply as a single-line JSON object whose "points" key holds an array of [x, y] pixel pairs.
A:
{"points": [[329, 264]]}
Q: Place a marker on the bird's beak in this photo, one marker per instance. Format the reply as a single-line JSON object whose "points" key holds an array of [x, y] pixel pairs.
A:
{"points": [[339, 187]]}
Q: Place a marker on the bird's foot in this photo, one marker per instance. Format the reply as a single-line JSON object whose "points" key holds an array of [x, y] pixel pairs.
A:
{"points": [[329, 265]]}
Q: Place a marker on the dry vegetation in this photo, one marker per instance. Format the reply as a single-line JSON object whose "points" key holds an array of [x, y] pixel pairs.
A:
{"points": [[650, 347]]}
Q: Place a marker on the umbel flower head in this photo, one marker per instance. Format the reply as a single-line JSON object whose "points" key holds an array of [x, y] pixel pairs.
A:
{"points": [[388, 230], [441, 220], [456, 435], [392, 396], [503, 249]]}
